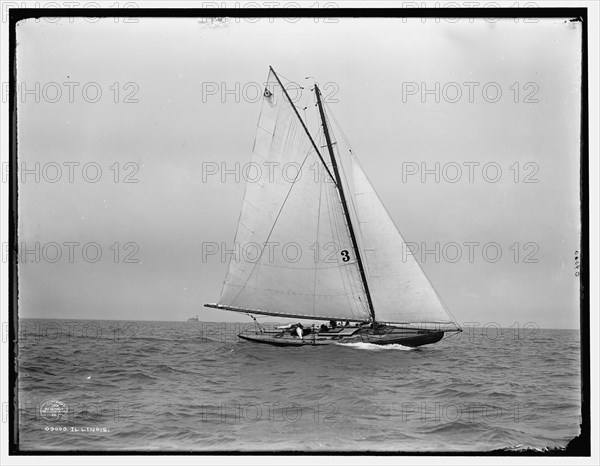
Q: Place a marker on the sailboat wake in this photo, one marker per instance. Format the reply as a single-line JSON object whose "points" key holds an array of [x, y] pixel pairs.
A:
{"points": [[373, 347]]}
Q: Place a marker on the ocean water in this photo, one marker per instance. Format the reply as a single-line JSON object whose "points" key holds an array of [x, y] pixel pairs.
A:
{"points": [[193, 386]]}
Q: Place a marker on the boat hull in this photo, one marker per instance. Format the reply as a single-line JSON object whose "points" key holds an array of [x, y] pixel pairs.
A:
{"points": [[395, 336]]}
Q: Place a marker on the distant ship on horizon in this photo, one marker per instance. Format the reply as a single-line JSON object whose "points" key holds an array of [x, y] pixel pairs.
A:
{"points": [[193, 319]]}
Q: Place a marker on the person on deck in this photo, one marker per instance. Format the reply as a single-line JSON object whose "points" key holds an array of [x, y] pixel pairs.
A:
{"points": [[299, 330]]}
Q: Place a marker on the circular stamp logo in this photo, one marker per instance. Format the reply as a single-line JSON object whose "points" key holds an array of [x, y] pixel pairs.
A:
{"points": [[53, 410]]}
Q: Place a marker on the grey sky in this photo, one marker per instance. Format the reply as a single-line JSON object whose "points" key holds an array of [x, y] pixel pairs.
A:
{"points": [[177, 126]]}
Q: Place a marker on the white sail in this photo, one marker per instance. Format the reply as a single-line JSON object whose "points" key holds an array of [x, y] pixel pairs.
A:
{"points": [[400, 291], [294, 254]]}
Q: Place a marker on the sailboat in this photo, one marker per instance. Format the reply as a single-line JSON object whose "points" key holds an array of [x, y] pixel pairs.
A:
{"points": [[324, 246]]}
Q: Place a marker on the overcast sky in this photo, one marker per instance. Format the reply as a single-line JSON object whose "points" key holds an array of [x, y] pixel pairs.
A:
{"points": [[372, 73]]}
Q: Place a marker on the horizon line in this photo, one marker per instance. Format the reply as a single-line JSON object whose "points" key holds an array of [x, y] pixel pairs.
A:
{"points": [[233, 322]]}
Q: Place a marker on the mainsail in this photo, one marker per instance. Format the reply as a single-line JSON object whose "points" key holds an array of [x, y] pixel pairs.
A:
{"points": [[294, 254]]}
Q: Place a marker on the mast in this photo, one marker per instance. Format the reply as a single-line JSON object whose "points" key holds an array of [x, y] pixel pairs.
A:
{"points": [[302, 122], [344, 204]]}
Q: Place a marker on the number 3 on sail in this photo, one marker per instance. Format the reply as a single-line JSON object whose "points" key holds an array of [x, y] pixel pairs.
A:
{"points": [[379, 296]]}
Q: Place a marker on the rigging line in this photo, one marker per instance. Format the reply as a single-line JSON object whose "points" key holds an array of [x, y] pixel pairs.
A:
{"points": [[272, 227], [290, 81], [453, 333], [302, 122], [317, 244], [256, 322], [339, 127]]}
